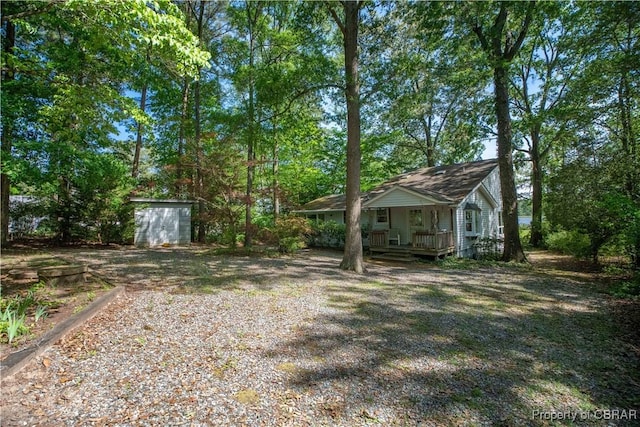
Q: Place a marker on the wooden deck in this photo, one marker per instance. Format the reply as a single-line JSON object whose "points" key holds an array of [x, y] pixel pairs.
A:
{"points": [[423, 243]]}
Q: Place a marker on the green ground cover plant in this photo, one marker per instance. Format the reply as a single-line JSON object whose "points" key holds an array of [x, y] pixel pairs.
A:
{"points": [[17, 310], [30, 308]]}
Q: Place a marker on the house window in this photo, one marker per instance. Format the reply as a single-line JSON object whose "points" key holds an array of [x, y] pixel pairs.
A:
{"points": [[382, 216], [472, 218], [415, 218], [472, 224], [469, 222]]}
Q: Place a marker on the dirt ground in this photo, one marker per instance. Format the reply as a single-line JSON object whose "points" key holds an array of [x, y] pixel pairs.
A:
{"points": [[350, 346], [197, 269], [625, 311]]}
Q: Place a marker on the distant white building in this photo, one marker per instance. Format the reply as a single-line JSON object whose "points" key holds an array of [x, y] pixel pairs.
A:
{"points": [[24, 215], [162, 222]]}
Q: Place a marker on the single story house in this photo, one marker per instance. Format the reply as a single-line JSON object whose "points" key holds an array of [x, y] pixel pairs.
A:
{"points": [[162, 222], [430, 211]]}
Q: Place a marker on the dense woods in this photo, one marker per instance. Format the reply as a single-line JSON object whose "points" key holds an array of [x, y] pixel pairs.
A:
{"points": [[254, 108]]}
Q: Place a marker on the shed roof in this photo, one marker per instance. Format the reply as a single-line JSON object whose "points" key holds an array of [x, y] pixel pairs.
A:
{"points": [[148, 200], [448, 184]]}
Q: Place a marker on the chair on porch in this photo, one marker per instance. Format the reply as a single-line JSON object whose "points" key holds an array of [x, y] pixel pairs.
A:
{"points": [[394, 236]]}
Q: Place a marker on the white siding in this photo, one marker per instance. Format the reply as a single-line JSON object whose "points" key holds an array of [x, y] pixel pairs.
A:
{"points": [[489, 214], [184, 231], [335, 216], [399, 197], [492, 184], [162, 223]]}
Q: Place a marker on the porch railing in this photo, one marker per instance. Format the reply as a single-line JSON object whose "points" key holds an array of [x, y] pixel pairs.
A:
{"points": [[420, 239], [378, 238], [432, 240]]}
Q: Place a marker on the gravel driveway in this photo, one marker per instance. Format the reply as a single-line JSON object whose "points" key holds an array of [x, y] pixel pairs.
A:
{"points": [[200, 340]]}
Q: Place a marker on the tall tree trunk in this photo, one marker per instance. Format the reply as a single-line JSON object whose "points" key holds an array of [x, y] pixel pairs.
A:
{"points": [[536, 194], [182, 132], [501, 53], [136, 154], [251, 166], [251, 143], [630, 150], [64, 212], [626, 134], [8, 45], [275, 170], [430, 149], [199, 184], [199, 187], [512, 246], [352, 258]]}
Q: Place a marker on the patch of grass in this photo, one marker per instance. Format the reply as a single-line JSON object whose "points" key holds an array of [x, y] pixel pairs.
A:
{"points": [[525, 297], [288, 367], [247, 396], [397, 365], [455, 263], [221, 369], [477, 393], [369, 309], [432, 292], [469, 341], [408, 402], [626, 289], [254, 251], [420, 323]]}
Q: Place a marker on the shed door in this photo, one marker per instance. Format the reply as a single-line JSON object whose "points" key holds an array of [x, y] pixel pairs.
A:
{"points": [[164, 226]]}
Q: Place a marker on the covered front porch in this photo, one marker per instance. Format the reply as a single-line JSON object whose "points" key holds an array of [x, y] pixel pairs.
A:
{"points": [[428, 243], [403, 222]]}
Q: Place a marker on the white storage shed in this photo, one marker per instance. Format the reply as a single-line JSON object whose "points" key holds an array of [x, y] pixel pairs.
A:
{"points": [[162, 222]]}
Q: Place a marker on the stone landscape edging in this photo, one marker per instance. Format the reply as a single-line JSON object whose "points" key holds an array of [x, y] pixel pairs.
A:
{"points": [[16, 361]]}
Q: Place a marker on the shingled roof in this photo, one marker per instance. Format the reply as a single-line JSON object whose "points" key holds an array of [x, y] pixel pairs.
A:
{"points": [[334, 202], [450, 183], [447, 184]]}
